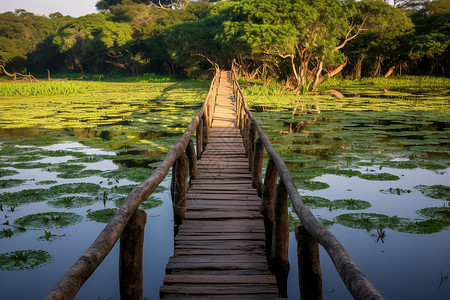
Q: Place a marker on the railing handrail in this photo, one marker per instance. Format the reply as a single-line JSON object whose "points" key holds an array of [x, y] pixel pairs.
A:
{"points": [[68, 286], [357, 283]]}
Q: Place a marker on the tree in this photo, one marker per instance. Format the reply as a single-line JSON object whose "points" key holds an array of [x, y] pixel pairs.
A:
{"points": [[429, 47], [296, 39], [384, 43], [94, 38]]}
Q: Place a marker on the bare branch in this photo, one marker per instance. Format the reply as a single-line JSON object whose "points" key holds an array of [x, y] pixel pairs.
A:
{"points": [[359, 28]]}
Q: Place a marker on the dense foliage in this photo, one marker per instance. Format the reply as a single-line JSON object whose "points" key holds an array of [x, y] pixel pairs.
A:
{"points": [[295, 41]]}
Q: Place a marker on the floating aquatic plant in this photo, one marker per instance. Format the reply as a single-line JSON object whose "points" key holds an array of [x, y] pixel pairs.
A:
{"points": [[10, 183], [344, 172], [48, 220], [149, 203], [350, 204], [76, 188], [379, 176], [312, 185], [24, 196], [133, 174], [71, 202], [395, 191], [24, 260], [10, 231], [313, 202], [437, 213], [437, 191], [80, 174], [369, 221], [7, 172], [49, 237], [102, 215], [46, 182]]}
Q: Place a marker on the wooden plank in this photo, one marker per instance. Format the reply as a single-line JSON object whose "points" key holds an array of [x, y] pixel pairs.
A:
{"points": [[222, 289], [258, 279], [223, 236]]}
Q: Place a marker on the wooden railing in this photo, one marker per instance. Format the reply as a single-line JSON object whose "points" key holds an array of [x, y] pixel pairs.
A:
{"points": [[128, 223], [275, 212]]}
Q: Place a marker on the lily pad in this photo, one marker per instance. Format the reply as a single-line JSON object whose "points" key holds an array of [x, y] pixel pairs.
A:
{"points": [[24, 196], [10, 183], [48, 220], [313, 202], [76, 188], [46, 182], [369, 221], [149, 203], [344, 172], [350, 204], [24, 260], [426, 227], [7, 172], [133, 174], [81, 174], [102, 215], [379, 176], [437, 213], [312, 185], [437, 191], [71, 202]]}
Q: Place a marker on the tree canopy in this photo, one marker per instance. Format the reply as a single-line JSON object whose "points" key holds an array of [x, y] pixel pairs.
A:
{"points": [[296, 41]]}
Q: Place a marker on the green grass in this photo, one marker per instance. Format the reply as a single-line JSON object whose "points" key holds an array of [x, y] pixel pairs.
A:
{"points": [[45, 88]]}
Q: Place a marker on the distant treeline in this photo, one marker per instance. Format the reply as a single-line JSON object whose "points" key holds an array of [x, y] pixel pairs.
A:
{"points": [[294, 41]]}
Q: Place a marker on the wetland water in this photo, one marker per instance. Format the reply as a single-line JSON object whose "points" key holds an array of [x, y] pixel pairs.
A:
{"points": [[377, 178]]}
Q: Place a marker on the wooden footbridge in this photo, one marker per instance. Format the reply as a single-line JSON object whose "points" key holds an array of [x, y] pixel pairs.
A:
{"points": [[231, 237]]}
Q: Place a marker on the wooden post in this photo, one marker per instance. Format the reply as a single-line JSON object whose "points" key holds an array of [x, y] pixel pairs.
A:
{"points": [[309, 272], [179, 189], [190, 152], [247, 122], [279, 262], [251, 145], [205, 131], [199, 138], [268, 199], [130, 261], [257, 167]]}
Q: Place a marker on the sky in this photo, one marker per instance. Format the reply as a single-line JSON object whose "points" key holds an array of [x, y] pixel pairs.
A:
{"points": [[74, 8]]}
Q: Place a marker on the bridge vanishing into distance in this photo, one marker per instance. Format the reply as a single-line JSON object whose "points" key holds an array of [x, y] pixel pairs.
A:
{"points": [[232, 233]]}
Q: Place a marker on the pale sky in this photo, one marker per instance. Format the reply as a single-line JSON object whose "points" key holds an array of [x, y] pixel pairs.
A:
{"points": [[74, 8]]}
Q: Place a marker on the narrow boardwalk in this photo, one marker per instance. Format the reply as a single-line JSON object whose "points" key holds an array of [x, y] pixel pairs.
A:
{"points": [[219, 249]]}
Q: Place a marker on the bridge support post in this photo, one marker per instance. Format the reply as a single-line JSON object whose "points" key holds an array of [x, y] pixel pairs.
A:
{"points": [[309, 272], [268, 199], [179, 189], [257, 167], [251, 145], [279, 262], [205, 131], [193, 170], [199, 138], [130, 262]]}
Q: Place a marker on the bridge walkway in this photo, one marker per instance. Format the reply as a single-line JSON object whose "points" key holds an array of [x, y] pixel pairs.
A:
{"points": [[219, 249]]}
